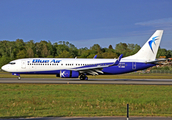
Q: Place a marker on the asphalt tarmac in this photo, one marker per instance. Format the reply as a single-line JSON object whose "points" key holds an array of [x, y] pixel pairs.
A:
{"points": [[90, 81]]}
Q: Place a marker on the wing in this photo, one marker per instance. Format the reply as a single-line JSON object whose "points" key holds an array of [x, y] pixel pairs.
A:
{"points": [[97, 69]]}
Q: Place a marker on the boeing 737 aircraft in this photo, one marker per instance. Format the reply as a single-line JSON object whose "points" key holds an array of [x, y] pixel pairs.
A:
{"points": [[76, 67]]}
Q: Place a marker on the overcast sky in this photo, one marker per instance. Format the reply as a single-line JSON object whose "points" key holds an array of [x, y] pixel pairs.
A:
{"points": [[86, 22]]}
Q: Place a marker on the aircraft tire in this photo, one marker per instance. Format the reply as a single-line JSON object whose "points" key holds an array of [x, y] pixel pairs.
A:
{"points": [[19, 78], [83, 77]]}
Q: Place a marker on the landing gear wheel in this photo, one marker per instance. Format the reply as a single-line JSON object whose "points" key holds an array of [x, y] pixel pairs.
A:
{"points": [[19, 78], [83, 77]]}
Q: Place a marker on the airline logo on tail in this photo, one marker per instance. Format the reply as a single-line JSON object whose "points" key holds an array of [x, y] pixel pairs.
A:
{"points": [[152, 41]]}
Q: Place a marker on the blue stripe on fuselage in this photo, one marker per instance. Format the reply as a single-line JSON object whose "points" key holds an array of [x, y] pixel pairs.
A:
{"points": [[120, 69]]}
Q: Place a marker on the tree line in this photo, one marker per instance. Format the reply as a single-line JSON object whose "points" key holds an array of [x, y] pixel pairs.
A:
{"points": [[11, 50]]}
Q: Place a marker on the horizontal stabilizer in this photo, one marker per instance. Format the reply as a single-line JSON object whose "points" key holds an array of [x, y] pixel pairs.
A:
{"points": [[156, 61]]}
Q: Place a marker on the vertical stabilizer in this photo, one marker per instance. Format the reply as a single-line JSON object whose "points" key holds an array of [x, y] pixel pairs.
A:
{"points": [[149, 50]]}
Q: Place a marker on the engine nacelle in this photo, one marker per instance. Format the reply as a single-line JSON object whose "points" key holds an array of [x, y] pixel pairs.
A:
{"points": [[69, 74]]}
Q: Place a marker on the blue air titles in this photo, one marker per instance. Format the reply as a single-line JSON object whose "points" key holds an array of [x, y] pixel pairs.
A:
{"points": [[45, 61]]}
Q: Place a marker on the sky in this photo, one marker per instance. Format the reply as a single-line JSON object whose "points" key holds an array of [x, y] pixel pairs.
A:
{"points": [[86, 22]]}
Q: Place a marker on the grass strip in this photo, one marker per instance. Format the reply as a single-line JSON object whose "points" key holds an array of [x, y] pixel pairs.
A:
{"points": [[45, 100]]}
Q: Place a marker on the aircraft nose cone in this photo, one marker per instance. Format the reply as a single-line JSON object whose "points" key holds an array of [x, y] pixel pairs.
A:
{"points": [[4, 67]]}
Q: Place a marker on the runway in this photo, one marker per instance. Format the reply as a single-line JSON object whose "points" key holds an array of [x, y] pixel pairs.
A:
{"points": [[90, 81]]}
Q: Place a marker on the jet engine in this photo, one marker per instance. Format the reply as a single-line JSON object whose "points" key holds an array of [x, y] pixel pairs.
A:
{"points": [[69, 74]]}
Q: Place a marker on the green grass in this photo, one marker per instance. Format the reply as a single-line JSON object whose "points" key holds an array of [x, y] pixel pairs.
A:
{"points": [[39, 100]]}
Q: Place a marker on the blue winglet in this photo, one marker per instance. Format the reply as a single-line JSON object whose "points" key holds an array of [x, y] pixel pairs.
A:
{"points": [[95, 57], [118, 60]]}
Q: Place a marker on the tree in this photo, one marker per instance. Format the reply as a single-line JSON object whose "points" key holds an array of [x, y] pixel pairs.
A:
{"points": [[11, 50], [163, 52], [20, 44], [83, 52], [109, 55], [30, 49], [122, 48], [45, 52], [73, 50], [170, 53], [134, 50], [21, 54], [110, 47], [4, 60], [95, 49], [64, 54], [37, 49], [30, 53], [51, 49]]}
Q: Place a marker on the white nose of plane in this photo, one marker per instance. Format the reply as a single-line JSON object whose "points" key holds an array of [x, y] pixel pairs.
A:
{"points": [[4, 67]]}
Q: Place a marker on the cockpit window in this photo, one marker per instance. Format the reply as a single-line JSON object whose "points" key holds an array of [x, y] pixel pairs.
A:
{"points": [[12, 63]]}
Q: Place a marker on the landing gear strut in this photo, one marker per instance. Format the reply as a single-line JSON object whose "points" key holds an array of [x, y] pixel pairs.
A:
{"points": [[16, 74], [83, 77]]}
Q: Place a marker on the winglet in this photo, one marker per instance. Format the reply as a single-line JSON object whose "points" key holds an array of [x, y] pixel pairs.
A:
{"points": [[95, 57], [117, 61]]}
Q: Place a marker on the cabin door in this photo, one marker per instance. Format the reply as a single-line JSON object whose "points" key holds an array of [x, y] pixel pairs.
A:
{"points": [[23, 64], [134, 65]]}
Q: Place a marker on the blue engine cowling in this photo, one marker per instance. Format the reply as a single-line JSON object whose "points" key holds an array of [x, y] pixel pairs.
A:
{"points": [[69, 74]]}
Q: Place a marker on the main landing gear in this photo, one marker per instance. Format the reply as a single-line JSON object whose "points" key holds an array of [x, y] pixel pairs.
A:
{"points": [[83, 77]]}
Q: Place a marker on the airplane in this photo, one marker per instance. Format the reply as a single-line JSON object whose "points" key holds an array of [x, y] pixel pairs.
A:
{"points": [[79, 67]]}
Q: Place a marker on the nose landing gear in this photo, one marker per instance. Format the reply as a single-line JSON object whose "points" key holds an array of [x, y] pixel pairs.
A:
{"points": [[19, 78]]}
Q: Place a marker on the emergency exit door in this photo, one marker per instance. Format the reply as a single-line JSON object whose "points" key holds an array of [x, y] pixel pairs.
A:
{"points": [[134, 65], [23, 64]]}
